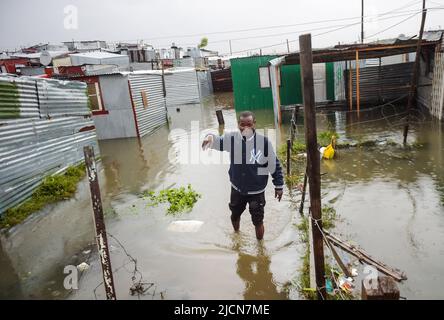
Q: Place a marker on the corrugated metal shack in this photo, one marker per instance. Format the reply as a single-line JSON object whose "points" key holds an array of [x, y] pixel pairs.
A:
{"points": [[44, 125], [124, 104], [361, 77], [251, 77], [182, 86]]}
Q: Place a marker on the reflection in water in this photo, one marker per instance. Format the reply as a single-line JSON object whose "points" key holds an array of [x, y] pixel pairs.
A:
{"points": [[131, 164], [254, 270]]}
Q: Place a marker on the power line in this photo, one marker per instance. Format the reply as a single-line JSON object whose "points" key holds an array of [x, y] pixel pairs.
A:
{"points": [[392, 26], [274, 26], [298, 31], [264, 28], [323, 33], [344, 27]]}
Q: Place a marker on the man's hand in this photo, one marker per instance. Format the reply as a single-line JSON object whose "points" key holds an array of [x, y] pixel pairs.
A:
{"points": [[208, 141], [278, 193]]}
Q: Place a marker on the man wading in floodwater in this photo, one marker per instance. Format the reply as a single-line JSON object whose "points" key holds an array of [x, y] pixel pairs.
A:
{"points": [[252, 159]]}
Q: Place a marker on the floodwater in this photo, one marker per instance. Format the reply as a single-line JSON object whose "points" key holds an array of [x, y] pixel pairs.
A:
{"points": [[389, 200]]}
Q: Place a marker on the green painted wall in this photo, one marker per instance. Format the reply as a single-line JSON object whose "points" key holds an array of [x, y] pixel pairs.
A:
{"points": [[248, 95], [330, 75], [291, 85], [9, 100]]}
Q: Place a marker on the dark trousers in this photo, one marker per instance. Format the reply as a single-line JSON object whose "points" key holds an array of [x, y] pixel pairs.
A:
{"points": [[256, 204]]}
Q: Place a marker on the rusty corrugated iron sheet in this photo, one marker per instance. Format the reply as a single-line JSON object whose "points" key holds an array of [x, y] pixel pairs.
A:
{"points": [[382, 83], [41, 133], [222, 81]]}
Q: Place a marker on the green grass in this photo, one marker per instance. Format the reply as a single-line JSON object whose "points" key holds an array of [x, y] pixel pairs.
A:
{"points": [[328, 219], [52, 189], [298, 163], [180, 199], [324, 137], [304, 272]]}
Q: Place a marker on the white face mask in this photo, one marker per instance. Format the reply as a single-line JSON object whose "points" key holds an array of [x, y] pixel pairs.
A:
{"points": [[247, 132]]}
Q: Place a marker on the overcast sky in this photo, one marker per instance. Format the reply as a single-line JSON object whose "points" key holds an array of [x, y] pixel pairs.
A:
{"points": [[24, 23]]}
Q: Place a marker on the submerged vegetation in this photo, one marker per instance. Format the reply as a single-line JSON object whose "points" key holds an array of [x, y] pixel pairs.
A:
{"points": [[53, 189], [180, 199]]}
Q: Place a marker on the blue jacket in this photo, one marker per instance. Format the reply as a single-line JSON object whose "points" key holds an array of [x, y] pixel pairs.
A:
{"points": [[251, 161]]}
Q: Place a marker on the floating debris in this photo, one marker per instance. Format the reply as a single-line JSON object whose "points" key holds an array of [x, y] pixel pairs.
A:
{"points": [[185, 226], [83, 267]]}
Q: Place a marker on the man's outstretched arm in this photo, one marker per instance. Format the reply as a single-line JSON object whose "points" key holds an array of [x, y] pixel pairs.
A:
{"points": [[216, 142]]}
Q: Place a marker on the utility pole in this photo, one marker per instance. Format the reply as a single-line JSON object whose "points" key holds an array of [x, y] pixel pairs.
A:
{"points": [[414, 79], [288, 46], [362, 21], [99, 222], [313, 161], [231, 51]]}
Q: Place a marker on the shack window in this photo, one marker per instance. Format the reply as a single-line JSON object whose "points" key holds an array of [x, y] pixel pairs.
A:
{"points": [[264, 77], [94, 96]]}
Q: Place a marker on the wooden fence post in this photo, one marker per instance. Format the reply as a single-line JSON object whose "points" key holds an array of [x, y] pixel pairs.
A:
{"points": [[313, 161], [99, 222]]}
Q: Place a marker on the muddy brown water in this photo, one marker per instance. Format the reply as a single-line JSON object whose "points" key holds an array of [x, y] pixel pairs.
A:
{"points": [[390, 201]]}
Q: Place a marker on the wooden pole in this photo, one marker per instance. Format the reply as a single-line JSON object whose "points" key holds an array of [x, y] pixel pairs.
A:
{"points": [[99, 221], [163, 79], [358, 85], [350, 87], [220, 117], [365, 257], [313, 161], [362, 21], [304, 190], [288, 47], [415, 72]]}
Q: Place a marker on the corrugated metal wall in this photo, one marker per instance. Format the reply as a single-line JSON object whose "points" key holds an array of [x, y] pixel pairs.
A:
{"points": [[62, 98], [184, 62], [436, 106], [181, 86], [154, 114], [291, 85], [205, 86], [33, 146], [382, 83], [119, 122], [339, 69]]}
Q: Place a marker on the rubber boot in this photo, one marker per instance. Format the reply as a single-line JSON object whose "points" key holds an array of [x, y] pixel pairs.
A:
{"points": [[260, 231]]}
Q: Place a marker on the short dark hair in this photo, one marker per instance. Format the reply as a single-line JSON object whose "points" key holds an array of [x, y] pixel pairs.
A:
{"points": [[246, 114]]}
